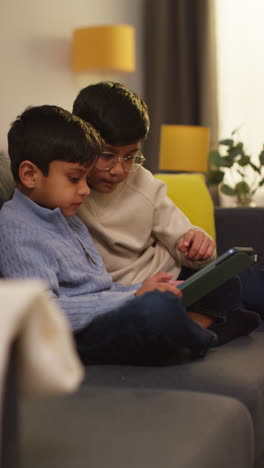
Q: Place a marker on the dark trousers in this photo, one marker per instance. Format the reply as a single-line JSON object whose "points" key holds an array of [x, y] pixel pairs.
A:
{"points": [[219, 301], [152, 329]]}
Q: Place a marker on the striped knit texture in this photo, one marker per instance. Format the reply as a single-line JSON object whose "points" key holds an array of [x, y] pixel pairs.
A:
{"points": [[36, 242]]}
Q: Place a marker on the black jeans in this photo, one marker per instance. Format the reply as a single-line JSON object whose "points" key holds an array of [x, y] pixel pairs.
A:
{"points": [[151, 329], [219, 301]]}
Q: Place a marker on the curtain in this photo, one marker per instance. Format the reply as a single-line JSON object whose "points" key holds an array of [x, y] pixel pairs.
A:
{"points": [[180, 68]]}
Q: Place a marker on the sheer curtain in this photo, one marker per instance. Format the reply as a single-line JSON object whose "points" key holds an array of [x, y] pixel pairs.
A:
{"points": [[240, 35], [180, 69]]}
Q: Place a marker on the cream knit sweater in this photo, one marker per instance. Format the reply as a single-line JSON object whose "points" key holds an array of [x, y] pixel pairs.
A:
{"points": [[136, 228]]}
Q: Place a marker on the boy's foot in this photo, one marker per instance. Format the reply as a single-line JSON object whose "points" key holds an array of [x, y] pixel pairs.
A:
{"points": [[238, 322]]}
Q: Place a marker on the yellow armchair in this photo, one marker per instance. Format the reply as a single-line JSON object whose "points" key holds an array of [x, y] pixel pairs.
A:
{"points": [[190, 194]]}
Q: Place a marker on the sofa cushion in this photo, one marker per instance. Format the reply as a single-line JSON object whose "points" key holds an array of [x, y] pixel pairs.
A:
{"points": [[235, 370], [190, 194], [109, 428], [7, 183]]}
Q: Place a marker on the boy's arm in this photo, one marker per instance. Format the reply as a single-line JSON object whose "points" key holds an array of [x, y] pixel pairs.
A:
{"points": [[27, 259], [32, 259]]}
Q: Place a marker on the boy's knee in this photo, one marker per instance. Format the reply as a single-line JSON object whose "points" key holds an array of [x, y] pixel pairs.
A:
{"points": [[152, 311], [157, 306], [167, 324]]}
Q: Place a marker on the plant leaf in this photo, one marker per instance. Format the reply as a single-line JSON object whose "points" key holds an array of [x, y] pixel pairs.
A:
{"points": [[227, 161], [244, 160], [242, 187], [261, 158], [214, 177], [227, 190], [226, 142], [215, 159], [234, 152]]}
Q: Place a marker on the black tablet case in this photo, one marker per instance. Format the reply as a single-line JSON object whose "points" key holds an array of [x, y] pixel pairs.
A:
{"points": [[216, 273]]}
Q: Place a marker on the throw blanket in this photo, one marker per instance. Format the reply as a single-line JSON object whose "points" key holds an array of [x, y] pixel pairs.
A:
{"points": [[47, 362]]}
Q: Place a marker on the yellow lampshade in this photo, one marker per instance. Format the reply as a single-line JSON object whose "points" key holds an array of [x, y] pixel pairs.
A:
{"points": [[110, 47], [184, 148]]}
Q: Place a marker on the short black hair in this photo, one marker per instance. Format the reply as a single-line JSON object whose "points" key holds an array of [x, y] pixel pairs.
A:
{"points": [[118, 113], [47, 133]]}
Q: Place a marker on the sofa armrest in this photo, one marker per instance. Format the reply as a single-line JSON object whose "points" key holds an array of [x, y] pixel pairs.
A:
{"points": [[9, 416], [127, 427]]}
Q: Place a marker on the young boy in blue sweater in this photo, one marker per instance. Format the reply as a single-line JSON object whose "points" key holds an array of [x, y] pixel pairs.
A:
{"points": [[52, 153]]}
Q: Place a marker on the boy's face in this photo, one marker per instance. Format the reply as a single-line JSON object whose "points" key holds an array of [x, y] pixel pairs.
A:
{"points": [[105, 181], [65, 187]]}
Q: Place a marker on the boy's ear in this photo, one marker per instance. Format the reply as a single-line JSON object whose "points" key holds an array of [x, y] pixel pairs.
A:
{"points": [[28, 172]]}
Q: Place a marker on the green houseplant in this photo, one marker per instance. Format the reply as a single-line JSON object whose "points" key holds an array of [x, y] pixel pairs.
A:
{"points": [[230, 159]]}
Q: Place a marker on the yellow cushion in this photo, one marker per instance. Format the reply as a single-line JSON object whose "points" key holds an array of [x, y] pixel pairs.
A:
{"points": [[190, 194]]}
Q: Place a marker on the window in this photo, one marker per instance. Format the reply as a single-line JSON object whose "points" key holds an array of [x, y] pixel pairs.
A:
{"points": [[240, 40]]}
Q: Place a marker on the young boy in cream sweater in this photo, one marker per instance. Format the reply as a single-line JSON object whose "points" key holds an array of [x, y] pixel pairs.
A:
{"points": [[137, 229]]}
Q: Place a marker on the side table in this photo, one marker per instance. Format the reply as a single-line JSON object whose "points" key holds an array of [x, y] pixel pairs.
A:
{"points": [[240, 227]]}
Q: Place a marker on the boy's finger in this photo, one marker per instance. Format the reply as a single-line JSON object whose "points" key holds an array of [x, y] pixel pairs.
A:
{"points": [[168, 288], [162, 276], [184, 243], [188, 237]]}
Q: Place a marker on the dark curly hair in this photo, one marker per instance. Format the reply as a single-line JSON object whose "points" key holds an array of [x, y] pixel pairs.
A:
{"points": [[118, 113], [47, 133]]}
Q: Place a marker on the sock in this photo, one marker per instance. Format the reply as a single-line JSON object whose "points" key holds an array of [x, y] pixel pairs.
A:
{"points": [[238, 322]]}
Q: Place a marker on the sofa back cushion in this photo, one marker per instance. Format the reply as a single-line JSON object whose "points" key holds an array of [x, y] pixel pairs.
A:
{"points": [[7, 183], [190, 194]]}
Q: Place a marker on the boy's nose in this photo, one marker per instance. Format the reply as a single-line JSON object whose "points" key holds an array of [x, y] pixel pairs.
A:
{"points": [[118, 168], [84, 189]]}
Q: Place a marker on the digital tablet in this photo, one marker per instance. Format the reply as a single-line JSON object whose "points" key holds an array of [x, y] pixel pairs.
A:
{"points": [[216, 273]]}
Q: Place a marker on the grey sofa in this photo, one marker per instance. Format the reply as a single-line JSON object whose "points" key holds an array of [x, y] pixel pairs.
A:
{"points": [[207, 413]]}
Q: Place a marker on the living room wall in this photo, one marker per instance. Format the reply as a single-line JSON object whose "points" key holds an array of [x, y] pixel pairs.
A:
{"points": [[35, 51]]}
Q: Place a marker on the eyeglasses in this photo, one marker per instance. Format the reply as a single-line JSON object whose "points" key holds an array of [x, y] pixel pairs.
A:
{"points": [[107, 161]]}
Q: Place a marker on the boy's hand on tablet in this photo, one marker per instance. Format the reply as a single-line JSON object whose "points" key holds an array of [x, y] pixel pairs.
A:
{"points": [[161, 281], [196, 245]]}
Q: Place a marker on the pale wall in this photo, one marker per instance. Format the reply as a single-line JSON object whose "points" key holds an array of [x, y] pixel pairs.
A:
{"points": [[35, 49]]}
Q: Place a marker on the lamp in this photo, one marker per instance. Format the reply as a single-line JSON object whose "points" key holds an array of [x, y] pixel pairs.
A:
{"points": [[184, 148], [110, 47]]}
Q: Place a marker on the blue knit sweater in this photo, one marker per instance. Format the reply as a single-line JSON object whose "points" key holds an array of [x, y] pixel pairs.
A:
{"points": [[37, 242]]}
